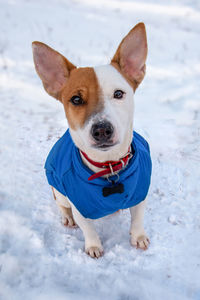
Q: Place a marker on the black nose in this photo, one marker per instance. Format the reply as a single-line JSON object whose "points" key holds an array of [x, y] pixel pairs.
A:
{"points": [[102, 131]]}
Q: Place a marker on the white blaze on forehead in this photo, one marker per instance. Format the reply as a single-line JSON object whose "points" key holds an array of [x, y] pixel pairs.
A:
{"points": [[110, 79], [118, 111]]}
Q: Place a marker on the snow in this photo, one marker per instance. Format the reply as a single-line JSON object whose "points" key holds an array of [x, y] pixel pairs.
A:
{"points": [[40, 258]]}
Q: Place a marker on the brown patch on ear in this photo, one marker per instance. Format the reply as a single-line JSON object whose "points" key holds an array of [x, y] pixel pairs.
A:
{"points": [[133, 83], [52, 67], [82, 82], [131, 54]]}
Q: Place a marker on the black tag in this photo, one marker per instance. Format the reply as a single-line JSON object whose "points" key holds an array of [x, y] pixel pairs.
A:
{"points": [[114, 189]]}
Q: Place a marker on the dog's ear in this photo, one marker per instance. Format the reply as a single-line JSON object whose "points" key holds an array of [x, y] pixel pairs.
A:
{"points": [[52, 68], [131, 54]]}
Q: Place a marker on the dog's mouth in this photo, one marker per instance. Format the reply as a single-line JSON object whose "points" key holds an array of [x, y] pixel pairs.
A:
{"points": [[104, 146]]}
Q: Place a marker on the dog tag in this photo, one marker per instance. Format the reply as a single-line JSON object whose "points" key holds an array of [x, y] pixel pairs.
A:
{"points": [[114, 189]]}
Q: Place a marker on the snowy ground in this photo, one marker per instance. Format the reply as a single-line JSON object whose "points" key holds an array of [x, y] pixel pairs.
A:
{"points": [[41, 259]]}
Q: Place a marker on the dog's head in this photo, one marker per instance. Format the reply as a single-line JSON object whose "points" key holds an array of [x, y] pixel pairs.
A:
{"points": [[98, 101]]}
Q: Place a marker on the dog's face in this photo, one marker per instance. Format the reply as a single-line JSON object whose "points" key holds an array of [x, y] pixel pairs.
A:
{"points": [[98, 101], [99, 111]]}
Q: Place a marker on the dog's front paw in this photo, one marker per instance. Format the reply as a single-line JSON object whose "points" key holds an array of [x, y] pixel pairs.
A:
{"points": [[94, 252], [140, 240]]}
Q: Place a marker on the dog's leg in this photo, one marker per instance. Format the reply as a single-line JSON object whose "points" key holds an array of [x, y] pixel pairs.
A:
{"points": [[65, 208], [93, 246], [139, 238]]}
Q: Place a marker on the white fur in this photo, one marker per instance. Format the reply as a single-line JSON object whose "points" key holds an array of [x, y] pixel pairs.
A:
{"points": [[138, 235], [118, 111], [61, 199], [93, 244]]}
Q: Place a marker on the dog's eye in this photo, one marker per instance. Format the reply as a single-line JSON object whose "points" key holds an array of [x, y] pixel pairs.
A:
{"points": [[76, 100], [118, 94]]}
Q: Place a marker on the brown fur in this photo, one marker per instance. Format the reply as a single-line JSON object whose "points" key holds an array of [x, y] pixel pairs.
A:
{"points": [[133, 83], [62, 80], [82, 82]]}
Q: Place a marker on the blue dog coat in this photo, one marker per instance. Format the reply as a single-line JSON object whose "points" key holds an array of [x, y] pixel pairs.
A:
{"points": [[66, 172]]}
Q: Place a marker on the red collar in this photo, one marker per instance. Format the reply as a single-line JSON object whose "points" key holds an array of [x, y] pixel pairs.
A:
{"points": [[110, 167]]}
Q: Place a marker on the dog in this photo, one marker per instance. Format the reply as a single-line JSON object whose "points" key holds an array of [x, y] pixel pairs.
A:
{"points": [[100, 165]]}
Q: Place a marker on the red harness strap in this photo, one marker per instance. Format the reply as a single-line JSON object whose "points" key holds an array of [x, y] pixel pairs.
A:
{"points": [[110, 167]]}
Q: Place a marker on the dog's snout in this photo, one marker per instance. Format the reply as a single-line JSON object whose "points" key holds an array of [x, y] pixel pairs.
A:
{"points": [[102, 131]]}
